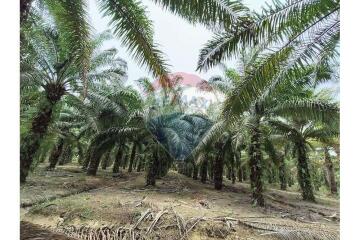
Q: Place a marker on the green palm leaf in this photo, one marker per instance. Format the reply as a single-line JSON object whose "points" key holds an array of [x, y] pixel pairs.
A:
{"points": [[72, 22], [211, 13], [132, 25]]}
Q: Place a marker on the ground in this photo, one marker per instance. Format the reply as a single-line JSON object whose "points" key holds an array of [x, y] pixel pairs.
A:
{"points": [[71, 204]]}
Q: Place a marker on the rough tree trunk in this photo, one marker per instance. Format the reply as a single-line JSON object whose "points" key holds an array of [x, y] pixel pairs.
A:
{"points": [[86, 161], [24, 10], [132, 157], [140, 164], [240, 173], [244, 172], [304, 174], [203, 170], [233, 177], [189, 170], [256, 168], [195, 171], [211, 169], [330, 171], [94, 165], [31, 142], [228, 171], [66, 155], [152, 168], [125, 162], [105, 161], [117, 162], [163, 167], [282, 172], [219, 168], [55, 154]]}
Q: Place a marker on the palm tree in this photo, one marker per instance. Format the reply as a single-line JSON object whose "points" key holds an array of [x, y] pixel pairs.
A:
{"points": [[294, 35], [108, 110], [56, 75], [300, 132], [330, 173]]}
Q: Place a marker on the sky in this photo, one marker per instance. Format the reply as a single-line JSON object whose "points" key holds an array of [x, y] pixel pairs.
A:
{"points": [[179, 40]]}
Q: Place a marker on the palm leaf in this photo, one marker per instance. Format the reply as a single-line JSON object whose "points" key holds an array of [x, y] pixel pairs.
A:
{"points": [[212, 13], [72, 22], [132, 25]]}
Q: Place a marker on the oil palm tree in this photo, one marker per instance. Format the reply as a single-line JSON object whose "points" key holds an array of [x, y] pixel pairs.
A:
{"points": [[105, 108], [299, 133], [294, 35], [330, 172], [49, 67]]}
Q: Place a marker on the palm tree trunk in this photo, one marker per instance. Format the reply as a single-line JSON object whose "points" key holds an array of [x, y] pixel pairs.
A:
{"points": [[232, 169], [256, 167], [140, 164], [55, 154], [117, 162], [219, 168], [152, 168], [31, 142], [126, 159], [282, 173], [203, 170], [190, 169], [244, 172], [86, 161], [195, 171], [163, 166], [211, 169], [240, 173], [66, 155], [330, 171], [228, 171], [95, 157], [24, 10], [105, 161], [304, 174], [132, 157], [94, 165]]}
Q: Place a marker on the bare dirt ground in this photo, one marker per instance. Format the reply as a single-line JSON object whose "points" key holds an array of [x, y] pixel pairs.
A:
{"points": [[68, 202]]}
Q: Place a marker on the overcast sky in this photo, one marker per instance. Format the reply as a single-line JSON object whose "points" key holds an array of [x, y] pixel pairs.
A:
{"points": [[179, 40]]}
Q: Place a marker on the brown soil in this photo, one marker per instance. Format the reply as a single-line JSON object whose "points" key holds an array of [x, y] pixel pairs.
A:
{"points": [[177, 208], [29, 231]]}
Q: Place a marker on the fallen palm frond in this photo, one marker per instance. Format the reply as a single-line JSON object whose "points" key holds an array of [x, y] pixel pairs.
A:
{"points": [[52, 198], [293, 232], [152, 224], [303, 235]]}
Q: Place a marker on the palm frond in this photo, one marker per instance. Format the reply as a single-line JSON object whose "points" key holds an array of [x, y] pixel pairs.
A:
{"points": [[212, 13], [299, 234], [308, 109], [72, 22], [133, 27], [255, 83], [212, 135]]}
